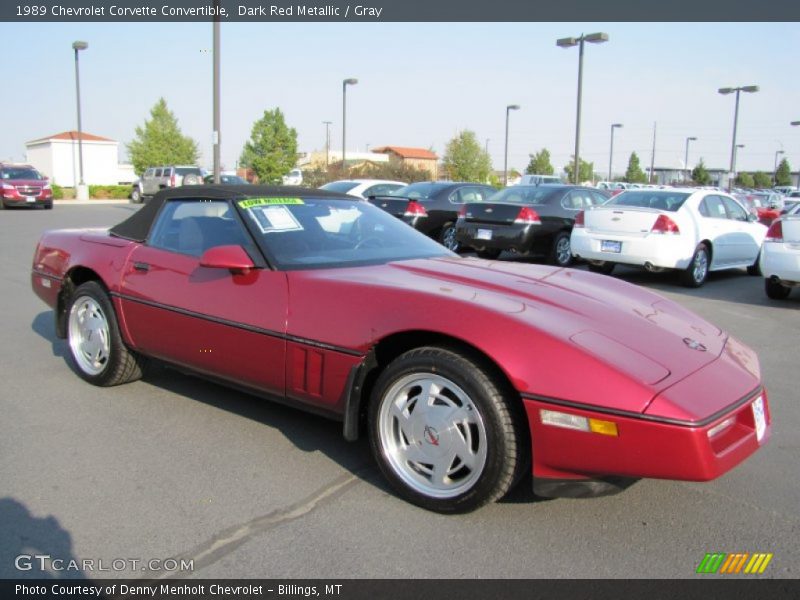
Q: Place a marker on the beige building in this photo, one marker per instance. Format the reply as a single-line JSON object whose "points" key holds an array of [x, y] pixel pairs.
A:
{"points": [[415, 157]]}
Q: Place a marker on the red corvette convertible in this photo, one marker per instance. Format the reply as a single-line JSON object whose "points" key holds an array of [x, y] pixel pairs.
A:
{"points": [[465, 374]]}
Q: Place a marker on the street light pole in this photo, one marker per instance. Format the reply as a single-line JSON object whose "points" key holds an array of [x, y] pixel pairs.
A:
{"points": [[611, 149], [686, 158], [795, 124], [345, 83], [775, 169], [82, 192], [509, 108], [216, 83], [725, 91], [594, 38], [327, 143]]}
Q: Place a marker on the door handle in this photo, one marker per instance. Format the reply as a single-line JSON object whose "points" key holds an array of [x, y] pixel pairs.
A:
{"points": [[141, 266]]}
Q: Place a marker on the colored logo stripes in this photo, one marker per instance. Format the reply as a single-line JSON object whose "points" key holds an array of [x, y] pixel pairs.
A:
{"points": [[743, 562]]}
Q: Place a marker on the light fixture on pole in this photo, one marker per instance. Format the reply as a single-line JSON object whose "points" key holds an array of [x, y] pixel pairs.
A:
{"points": [[592, 38], [345, 83], [611, 149], [327, 143], [686, 158], [750, 89], [509, 108], [775, 169], [81, 191]]}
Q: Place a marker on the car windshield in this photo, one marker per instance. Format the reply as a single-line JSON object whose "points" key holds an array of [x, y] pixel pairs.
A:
{"points": [[526, 194], [341, 187], [661, 200], [303, 233], [419, 191], [20, 173]]}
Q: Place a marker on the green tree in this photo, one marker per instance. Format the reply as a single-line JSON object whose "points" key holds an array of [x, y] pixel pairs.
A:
{"points": [[634, 173], [540, 163], [700, 174], [745, 180], [271, 150], [465, 160], [762, 180], [160, 141], [783, 176], [586, 171]]}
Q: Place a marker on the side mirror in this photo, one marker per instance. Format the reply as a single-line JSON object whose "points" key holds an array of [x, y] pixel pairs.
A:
{"points": [[233, 258], [751, 217]]}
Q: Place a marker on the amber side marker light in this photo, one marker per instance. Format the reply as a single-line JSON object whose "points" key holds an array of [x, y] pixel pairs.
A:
{"points": [[567, 421]]}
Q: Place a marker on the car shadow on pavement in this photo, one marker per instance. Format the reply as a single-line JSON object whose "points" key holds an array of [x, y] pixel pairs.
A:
{"points": [[306, 431], [734, 285], [27, 540], [43, 326]]}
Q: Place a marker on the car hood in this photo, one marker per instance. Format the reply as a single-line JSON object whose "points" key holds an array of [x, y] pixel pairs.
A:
{"points": [[644, 337], [601, 314]]}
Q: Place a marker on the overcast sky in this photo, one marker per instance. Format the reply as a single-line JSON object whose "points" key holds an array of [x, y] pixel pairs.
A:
{"points": [[419, 85]]}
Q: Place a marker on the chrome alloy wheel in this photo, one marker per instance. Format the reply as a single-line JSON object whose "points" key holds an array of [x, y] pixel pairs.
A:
{"points": [[432, 435], [700, 266], [449, 238], [88, 335], [563, 252]]}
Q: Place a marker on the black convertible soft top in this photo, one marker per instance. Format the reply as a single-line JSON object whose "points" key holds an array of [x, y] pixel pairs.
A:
{"points": [[137, 226]]}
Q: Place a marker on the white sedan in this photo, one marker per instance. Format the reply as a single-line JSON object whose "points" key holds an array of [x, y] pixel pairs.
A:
{"points": [[692, 230], [363, 188], [780, 257]]}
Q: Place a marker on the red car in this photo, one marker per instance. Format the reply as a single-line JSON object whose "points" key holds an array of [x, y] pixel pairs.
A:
{"points": [[23, 185], [465, 374]]}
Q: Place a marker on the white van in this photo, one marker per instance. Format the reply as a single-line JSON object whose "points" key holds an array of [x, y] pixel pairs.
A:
{"points": [[539, 179]]}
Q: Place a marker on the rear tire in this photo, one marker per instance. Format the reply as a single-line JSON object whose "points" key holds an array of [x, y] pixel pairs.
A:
{"points": [[696, 273], [443, 433], [95, 345], [447, 237], [604, 268], [561, 254], [776, 290]]}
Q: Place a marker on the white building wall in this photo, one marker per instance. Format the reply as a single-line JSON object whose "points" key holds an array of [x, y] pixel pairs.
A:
{"points": [[59, 160]]}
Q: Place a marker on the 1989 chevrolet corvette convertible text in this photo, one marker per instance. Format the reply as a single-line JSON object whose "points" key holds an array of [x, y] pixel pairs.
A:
{"points": [[465, 374]]}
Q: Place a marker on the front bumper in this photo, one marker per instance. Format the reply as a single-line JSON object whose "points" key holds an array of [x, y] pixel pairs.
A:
{"points": [[28, 201], [646, 446]]}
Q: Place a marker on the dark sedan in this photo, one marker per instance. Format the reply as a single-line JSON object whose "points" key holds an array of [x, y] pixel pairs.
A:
{"points": [[527, 220], [432, 206]]}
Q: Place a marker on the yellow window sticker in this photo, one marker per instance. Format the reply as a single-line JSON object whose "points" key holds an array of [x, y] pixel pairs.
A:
{"points": [[251, 202]]}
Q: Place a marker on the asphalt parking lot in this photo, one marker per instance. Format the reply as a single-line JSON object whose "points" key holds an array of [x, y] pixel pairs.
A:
{"points": [[173, 466]]}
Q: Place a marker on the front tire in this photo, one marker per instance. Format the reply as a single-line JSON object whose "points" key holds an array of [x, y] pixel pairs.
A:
{"points": [[136, 196], [561, 254], [443, 433], [776, 290], [95, 345], [696, 273]]}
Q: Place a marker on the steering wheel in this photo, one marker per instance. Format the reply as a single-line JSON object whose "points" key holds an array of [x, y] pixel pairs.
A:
{"points": [[369, 242]]}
